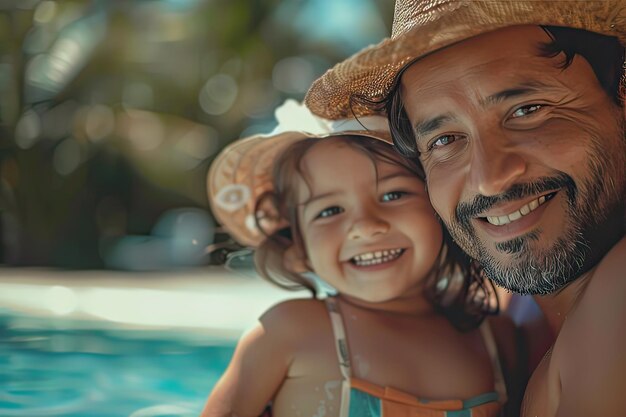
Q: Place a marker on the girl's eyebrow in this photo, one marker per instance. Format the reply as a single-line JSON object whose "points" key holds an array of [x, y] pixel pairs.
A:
{"points": [[397, 175], [315, 198]]}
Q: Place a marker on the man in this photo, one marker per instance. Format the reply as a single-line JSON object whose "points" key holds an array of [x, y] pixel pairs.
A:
{"points": [[516, 111]]}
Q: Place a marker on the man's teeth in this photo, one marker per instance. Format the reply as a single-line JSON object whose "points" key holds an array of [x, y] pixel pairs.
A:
{"points": [[524, 210], [375, 258]]}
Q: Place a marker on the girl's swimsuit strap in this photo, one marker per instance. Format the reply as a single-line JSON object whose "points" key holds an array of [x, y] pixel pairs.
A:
{"points": [[343, 354], [492, 349]]}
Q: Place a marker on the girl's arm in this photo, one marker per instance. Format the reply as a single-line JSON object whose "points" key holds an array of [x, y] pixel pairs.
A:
{"points": [[256, 371]]}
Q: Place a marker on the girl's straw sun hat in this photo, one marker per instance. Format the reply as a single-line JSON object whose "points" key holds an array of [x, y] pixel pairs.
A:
{"points": [[242, 172], [424, 26]]}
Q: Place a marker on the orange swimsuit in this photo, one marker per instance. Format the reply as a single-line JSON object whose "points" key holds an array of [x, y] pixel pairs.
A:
{"points": [[363, 399]]}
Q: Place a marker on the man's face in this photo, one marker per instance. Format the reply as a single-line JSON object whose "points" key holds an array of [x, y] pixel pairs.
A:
{"points": [[524, 160]]}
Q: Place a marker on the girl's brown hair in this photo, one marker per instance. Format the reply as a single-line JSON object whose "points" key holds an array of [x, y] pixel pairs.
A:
{"points": [[456, 286]]}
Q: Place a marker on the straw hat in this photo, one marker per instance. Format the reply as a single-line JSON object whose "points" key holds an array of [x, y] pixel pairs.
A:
{"points": [[242, 172], [423, 26]]}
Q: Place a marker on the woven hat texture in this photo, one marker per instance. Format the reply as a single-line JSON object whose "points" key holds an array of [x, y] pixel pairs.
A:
{"points": [[423, 26]]}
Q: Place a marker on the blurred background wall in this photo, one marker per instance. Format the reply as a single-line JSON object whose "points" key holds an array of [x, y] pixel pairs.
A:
{"points": [[112, 110]]}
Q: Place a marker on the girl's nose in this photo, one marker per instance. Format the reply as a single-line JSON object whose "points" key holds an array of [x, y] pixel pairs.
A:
{"points": [[368, 227]]}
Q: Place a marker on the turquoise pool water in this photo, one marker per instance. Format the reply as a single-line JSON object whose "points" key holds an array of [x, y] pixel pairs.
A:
{"points": [[61, 368]]}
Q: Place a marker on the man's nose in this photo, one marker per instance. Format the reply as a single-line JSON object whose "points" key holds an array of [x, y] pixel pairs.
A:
{"points": [[496, 164], [368, 226]]}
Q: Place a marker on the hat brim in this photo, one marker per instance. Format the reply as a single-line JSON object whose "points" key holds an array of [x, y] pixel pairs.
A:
{"points": [[242, 173], [370, 74]]}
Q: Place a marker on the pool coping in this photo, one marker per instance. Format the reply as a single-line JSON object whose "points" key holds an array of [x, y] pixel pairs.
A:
{"points": [[211, 300]]}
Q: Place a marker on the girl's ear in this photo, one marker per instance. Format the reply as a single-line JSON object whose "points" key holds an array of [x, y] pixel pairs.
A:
{"points": [[294, 260]]}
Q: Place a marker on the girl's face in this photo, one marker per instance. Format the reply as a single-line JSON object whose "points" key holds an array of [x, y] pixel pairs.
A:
{"points": [[368, 227]]}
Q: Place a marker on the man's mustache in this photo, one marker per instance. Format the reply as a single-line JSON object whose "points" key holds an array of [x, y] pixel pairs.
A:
{"points": [[465, 211]]}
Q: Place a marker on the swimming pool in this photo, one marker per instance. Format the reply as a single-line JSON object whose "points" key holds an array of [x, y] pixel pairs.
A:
{"points": [[143, 356], [84, 372]]}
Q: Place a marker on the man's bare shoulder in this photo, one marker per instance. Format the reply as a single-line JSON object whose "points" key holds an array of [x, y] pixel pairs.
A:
{"points": [[601, 301], [590, 352], [611, 269]]}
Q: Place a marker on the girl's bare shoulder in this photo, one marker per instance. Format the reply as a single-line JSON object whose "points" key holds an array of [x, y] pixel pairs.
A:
{"points": [[297, 319]]}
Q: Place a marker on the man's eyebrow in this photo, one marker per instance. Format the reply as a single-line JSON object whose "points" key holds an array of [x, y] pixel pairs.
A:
{"points": [[424, 127], [520, 90]]}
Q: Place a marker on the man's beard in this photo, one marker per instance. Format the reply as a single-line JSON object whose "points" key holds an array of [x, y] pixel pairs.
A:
{"points": [[531, 269]]}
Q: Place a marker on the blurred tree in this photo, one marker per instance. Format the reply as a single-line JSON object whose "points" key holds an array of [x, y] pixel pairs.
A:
{"points": [[111, 110]]}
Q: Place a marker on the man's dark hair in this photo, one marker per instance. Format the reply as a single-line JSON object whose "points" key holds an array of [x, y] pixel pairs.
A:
{"points": [[605, 54]]}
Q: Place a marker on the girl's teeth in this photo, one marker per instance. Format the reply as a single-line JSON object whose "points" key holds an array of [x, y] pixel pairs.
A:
{"points": [[378, 257], [516, 215]]}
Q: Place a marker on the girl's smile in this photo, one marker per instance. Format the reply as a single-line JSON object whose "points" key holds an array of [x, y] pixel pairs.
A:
{"points": [[373, 235], [379, 257]]}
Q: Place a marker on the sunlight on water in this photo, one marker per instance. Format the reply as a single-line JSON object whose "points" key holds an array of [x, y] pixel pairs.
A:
{"points": [[61, 300], [105, 373]]}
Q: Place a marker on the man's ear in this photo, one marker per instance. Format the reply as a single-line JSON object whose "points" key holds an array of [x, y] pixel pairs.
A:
{"points": [[295, 260]]}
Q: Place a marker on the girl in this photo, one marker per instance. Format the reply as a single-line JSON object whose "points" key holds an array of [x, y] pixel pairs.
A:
{"points": [[402, 336]]}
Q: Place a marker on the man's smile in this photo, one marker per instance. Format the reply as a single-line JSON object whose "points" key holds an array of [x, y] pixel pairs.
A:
{"points": [[516, 222], [500, 220]]}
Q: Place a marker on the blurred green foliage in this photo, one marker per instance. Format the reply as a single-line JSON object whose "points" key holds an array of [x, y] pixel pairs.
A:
{"points": [[112, 110]]}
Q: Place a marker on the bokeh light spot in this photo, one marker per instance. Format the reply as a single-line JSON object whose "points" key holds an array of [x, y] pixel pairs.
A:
{"points": [[66, 157], [28, 129], [61, 61], [218, 94], [146, 131], [293, 75], [45, 12], [99, 123], [199, 143]]}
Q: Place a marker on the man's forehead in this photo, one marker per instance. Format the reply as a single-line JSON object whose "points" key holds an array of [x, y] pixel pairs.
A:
{"points": [[501, 42], [484, 73], [510, 45]]}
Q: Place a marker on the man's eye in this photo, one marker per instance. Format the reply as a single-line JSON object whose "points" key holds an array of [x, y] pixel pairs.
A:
{"points": [[328, 212], [393, 195], [526, 110], [443, 140]]}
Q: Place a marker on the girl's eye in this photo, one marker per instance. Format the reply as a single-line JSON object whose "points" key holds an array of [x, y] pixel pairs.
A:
{"points": [[526, 110], [394, 195], [443, 140], [328, 212]]}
